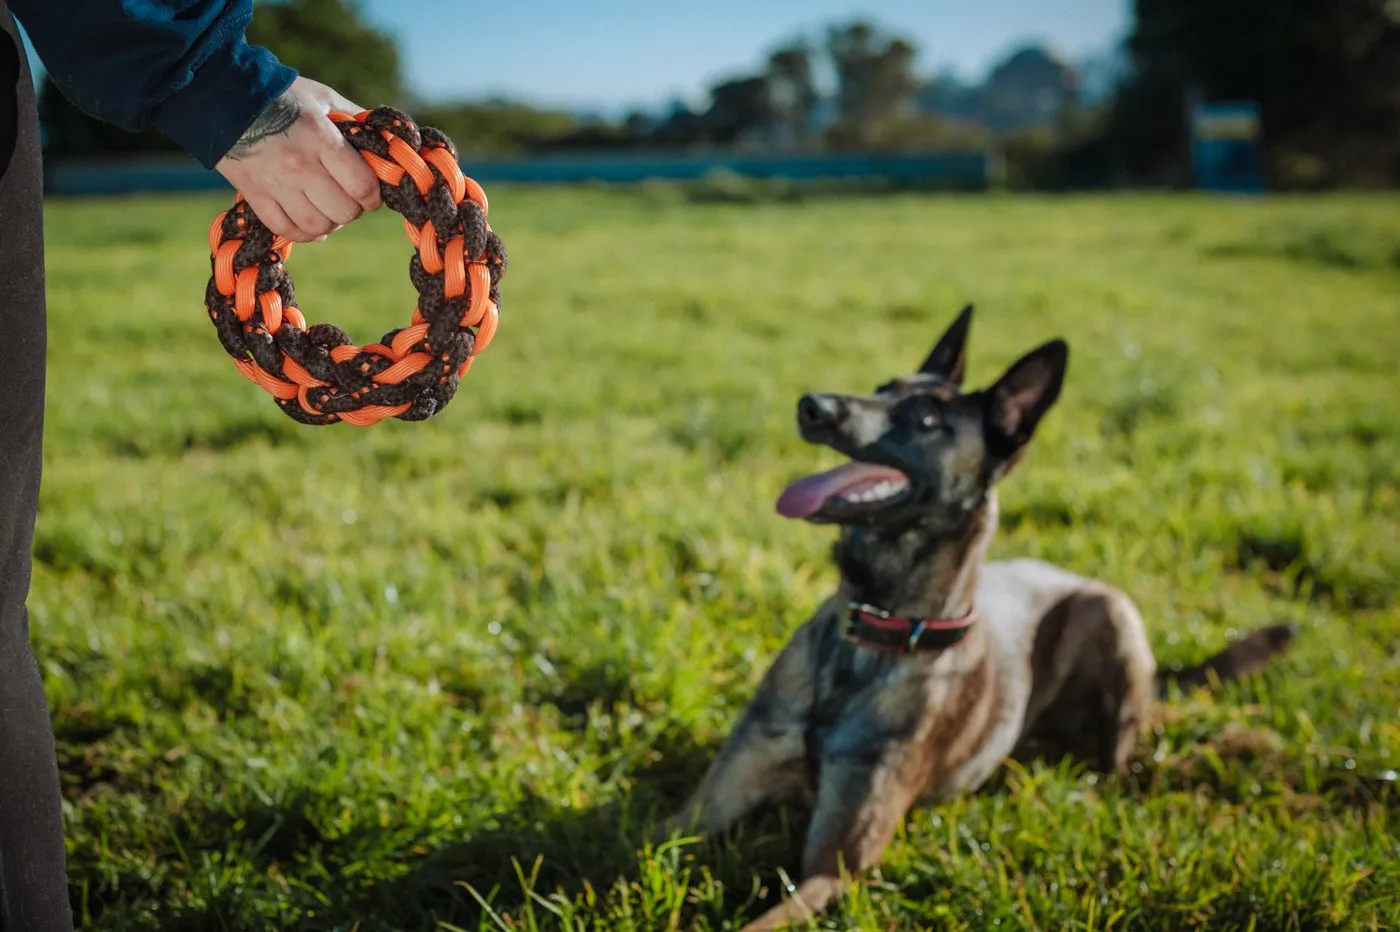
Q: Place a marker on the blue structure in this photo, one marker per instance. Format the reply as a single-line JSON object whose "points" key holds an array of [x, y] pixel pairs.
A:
{"points": [[1225, 147], [956, 170]]}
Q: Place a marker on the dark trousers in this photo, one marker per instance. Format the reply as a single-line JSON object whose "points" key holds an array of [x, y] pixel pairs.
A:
{"points": [[33, 881]]}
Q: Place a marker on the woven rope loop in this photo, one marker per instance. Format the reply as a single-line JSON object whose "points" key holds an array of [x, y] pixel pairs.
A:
{"points": [[316, 375]]}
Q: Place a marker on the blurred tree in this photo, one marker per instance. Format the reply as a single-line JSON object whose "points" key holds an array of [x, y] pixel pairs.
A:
{"points": [[875, 81], [327, 40], [1032, 87], [740, 109], [792, 92], [330, 41], [498, 127], [637, 124], [925, 131], [682, 128], [1326, 76]]}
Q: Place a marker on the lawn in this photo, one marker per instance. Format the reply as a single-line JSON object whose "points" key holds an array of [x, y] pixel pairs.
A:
{"points": [[442, 675]]}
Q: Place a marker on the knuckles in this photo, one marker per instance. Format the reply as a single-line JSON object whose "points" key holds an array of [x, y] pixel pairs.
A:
{"points": [[367, 191]]}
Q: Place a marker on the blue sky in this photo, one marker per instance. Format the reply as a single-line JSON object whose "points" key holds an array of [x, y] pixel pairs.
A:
{"points": [[608, 54]]}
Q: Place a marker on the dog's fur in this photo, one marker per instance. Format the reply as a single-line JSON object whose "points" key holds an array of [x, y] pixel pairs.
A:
{"points": [[1054, 658]]}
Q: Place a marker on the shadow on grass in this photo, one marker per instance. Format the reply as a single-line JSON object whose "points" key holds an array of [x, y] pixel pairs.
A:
{"points": [[541, 849], [339, 883], [576, 853], [545, 851]]}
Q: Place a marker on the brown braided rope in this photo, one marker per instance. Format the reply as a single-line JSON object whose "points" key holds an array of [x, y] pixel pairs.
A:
{"points": [[316, 374]]}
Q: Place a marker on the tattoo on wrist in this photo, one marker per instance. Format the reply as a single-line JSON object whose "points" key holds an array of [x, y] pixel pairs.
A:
{"points": [[278, 117]]}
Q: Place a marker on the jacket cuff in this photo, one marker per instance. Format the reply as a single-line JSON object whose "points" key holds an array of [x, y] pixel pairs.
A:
{"points": [[225, 95]]}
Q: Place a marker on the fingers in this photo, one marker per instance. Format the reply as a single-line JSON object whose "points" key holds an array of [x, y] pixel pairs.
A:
{"points": [[308, 217], [355, 179], [340, 159], [276, 219], [307, 182], [335, 206]]}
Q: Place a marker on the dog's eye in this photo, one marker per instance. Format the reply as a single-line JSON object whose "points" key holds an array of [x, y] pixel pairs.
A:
{"points": [[926, 416]]}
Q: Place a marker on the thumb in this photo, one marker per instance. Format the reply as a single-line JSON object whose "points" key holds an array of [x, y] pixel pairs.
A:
{"points": [[334, 101], [343, 104], [326, 98]]}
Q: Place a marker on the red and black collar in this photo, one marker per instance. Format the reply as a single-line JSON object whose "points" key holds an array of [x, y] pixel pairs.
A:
{"points": [[876, 629]]}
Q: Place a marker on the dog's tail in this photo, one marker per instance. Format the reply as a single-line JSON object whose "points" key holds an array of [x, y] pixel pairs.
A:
{"points": [[1246, 657]]}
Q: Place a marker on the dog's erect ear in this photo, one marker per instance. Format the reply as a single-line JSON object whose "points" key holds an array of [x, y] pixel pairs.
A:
{"points": [[1020, 398], [949, 357]]}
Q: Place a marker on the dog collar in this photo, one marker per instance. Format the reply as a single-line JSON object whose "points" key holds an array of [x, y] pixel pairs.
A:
{"points": [[876, 629]]}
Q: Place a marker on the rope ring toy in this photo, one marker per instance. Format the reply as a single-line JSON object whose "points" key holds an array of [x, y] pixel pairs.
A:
{"points": [[316, 374]]}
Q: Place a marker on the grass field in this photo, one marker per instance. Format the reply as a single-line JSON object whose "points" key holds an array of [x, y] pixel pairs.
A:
{"points": [[331, 678]]}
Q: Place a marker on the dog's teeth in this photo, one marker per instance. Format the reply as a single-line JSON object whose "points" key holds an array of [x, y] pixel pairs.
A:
{"points": [[884, 489]]}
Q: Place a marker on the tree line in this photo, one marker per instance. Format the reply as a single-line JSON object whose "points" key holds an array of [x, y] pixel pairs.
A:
{"points": [[1326, 76]]}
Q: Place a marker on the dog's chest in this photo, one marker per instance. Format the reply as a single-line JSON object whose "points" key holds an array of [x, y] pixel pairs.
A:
{"points": [[840, 725], [960, 710], [868, 701]]}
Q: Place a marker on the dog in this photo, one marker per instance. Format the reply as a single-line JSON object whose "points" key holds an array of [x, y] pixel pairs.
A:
{"points": [[931, 666]]}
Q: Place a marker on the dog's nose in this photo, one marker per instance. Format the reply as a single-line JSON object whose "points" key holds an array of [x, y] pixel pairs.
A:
{"points": [[818, 411]]}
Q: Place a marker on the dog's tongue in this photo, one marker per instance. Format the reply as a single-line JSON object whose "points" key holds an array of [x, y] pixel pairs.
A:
{"points": [[805, 497]]}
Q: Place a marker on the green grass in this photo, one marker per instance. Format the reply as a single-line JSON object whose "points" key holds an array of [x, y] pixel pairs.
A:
{"points": [[331, 678]]}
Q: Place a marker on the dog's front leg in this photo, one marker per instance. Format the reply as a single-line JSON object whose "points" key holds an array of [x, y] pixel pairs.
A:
{"points": [[862, 799], [764, 759], [761, 762]]}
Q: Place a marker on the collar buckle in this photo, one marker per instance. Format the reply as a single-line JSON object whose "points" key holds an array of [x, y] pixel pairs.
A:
{"points": [[916, 632]]}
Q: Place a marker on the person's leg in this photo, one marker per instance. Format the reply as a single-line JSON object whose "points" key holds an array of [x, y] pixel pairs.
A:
{"points": [[33, 876]]}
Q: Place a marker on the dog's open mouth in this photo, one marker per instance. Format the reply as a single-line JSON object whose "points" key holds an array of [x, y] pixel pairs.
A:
{"points": [[850, 489]]}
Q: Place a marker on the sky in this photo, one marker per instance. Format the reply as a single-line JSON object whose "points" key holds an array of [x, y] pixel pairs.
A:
{"points": [[610, 54]]}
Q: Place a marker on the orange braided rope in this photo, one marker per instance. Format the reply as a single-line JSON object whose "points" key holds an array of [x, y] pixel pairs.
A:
{"points": [[317, 375]]}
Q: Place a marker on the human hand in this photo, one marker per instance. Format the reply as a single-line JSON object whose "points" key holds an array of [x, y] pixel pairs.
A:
{"points": [[295, 168]]}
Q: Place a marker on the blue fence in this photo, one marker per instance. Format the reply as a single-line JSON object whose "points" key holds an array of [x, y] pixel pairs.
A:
{"points": [[956, 170], [1225, 147]]}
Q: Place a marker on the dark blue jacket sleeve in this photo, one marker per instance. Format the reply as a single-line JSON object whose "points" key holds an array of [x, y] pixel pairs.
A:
{"points": [[182, 66]]}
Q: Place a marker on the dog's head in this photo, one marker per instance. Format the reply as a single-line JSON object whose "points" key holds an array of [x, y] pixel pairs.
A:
{"points": [[923, 452]]}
